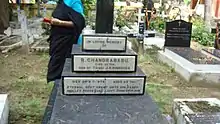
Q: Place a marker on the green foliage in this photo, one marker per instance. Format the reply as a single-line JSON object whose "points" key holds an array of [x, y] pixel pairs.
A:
{"points": [[120, 20], [158, 24], [88, 4], [201, 33]]}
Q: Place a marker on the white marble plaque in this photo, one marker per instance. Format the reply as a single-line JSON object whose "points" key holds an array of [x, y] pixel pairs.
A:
{"points": [[102, 85], [104, 43], [104, 63]]}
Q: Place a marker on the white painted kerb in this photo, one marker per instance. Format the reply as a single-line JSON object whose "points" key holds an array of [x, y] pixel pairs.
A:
{"points": [[4, 109], [188, 70]]}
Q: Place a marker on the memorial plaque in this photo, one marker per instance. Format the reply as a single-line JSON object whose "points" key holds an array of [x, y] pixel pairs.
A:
{"points": [[103, 62], [104, 42], [102, 83], [205, 118], [178, 34], [194, 56]]}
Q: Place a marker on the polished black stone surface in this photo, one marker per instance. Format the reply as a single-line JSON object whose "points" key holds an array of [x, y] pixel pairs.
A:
{"points": [[214, 52], [77, 50], [104, 16], [205, 118], [193, 56], [178, 33], [104, 110]]}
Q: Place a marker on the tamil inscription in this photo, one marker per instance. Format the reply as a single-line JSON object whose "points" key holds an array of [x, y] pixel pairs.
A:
{"points": [[101, 85]]}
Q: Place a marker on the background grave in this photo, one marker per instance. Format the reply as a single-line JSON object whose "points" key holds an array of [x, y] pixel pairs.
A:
{"points": [[199, 67], [40, 46], [178, 34], [196, 111]]}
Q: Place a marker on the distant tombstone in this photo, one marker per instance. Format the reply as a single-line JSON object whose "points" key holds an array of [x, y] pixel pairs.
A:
{"points": [[217, 40], [178, 34], [141, 28]]}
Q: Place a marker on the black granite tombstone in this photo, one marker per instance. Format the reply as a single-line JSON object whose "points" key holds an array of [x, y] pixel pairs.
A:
{"points": [[141, 28], [101, 98], [104, 16], [93, 109], [178, 34]]}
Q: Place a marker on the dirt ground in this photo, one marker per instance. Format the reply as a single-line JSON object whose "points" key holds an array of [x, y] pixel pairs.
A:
{"points": [[22, 76]]}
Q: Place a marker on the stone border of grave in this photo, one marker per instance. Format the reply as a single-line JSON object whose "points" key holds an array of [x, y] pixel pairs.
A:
{"points": [[188, 70], [4, 109], [15, 45], [181, 110], [36, 48]]}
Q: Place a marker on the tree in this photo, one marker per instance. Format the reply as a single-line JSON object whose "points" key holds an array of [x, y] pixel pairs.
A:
{"points": [[207, 12]]}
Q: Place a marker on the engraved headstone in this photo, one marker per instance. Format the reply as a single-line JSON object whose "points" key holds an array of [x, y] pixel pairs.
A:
{"points": [[103, 61], [178, 34], [104, 42]]}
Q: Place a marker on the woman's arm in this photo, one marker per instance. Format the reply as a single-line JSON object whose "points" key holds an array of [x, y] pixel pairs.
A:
{"points": [[58, 22]]}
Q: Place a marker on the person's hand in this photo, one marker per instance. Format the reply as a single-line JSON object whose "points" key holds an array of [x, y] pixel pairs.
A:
{"points": [[55, 21]]}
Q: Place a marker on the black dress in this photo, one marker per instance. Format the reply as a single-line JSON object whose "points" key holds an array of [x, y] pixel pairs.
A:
{"points": [[62, 38]]}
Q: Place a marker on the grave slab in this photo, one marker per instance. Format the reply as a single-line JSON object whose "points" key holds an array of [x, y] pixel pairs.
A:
{"points": [[191, 65], [4, 109], [103, 61], [213, 52], [95, 109], [102, 83], [104, 42], [197, 111]]}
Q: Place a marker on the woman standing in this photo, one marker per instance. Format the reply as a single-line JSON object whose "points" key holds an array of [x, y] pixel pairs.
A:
{"points": [[67, 24]]}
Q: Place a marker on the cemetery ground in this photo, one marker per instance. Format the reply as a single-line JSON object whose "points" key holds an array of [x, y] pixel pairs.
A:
{"points": [[22, 76]]}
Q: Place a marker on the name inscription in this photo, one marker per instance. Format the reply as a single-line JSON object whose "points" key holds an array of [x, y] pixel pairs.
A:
{"points": [[104, 63], [92, 85], [104, 43]]}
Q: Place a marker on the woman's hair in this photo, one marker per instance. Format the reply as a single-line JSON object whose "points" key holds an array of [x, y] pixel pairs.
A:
{"points": [[60, 1]]}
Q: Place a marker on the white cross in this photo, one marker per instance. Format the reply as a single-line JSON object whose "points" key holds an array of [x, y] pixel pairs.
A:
{"points": [[179, 23]]}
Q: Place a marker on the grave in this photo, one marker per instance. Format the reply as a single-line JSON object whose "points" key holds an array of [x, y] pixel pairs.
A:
{"points": [[192, 65], [4, 109], [141, 26], [100, 96], [40, 46], [196, 111], [215, 52], [101, 83]]}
